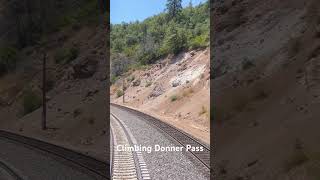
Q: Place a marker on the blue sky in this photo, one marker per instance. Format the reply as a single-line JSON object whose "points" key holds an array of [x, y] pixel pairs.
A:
{"points": [[132, 10]]}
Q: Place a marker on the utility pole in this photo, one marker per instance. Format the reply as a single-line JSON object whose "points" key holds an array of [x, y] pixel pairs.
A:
{"points": [[123, 90], [44, 99]]}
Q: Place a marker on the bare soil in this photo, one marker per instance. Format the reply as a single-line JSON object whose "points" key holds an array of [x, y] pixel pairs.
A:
{"points": [[266, 90], [175, 90], [77, 102]]}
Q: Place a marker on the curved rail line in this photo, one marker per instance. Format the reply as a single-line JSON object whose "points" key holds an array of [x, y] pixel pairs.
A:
{"points": [[181, 137], [90, 164], [124, 164], [10, 171], [111, 151], [141, 169]]}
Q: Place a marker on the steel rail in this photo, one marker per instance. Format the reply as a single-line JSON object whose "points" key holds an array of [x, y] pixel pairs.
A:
{"points": [[90, 164], [10, 171], [181, 137]]}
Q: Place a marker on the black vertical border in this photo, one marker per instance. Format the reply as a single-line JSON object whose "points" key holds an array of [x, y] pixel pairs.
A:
{"points": [[107, 8], [105, 21], [212, 137]]}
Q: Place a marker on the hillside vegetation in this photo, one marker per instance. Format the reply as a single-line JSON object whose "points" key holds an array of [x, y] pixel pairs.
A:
{"points": [[175, 90], [30, 23], [72, 36], [160, 66], [137, 43]]}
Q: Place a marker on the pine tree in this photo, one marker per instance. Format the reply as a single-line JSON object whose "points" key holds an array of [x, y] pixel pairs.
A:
{"points": [[190, 4], [173, 8]]}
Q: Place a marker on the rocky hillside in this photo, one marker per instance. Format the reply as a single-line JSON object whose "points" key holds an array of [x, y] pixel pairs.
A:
{"points": [[266, 95], [76, 86], [174, 89]]}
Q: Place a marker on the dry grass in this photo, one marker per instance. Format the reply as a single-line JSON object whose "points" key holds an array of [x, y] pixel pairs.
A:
{"points": [[113, 90], [188, 92], [131, 78], [203, 111], [202, 76], [296, 159], [148, 83], [314, 169]]}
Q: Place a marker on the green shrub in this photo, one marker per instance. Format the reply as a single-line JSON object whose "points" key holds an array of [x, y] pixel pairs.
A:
{"points": [[143, 43], [247, 64], [65, 21], [149, 83], [8, 59], [295, 160], [131, 78], [131, 51], [31, 102], [138, 66], [114, 79], [87, 12], [199, 41], [73, 54], [59, 56], [174, 41], [148, 57], [119, 93], [65, 56], [174, 98]]}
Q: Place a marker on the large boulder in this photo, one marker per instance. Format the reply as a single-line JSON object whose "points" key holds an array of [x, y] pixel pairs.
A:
{"points": [[136, 82], [176, 83], [85, 68], [157, 91]]}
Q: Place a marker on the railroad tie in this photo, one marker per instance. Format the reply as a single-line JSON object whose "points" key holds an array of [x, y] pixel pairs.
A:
{"points": [[123, 161]]}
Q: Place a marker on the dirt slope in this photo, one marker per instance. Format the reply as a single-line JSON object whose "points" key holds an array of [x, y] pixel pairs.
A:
{"points": [[266, 74], [77, 101], [175, 89]]}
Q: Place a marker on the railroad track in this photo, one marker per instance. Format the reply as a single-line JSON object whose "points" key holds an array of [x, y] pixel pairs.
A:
{"points": [[8, 173], [91, 165], [125, 164], [181, 137]]}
